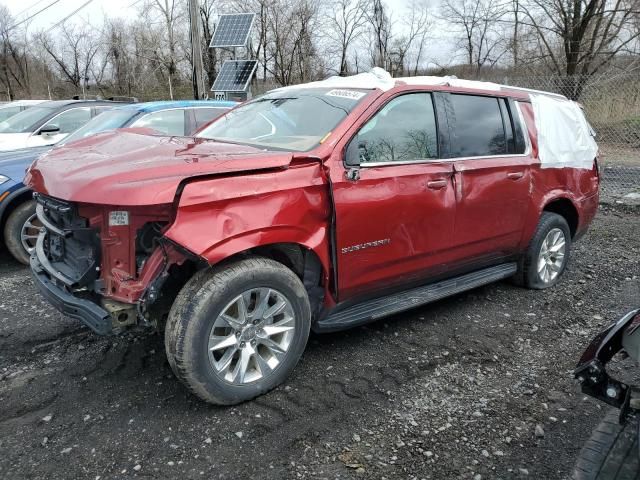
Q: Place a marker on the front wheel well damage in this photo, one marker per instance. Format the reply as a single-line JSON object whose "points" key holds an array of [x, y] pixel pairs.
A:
{"points": [[299, 259], [565, 208]]}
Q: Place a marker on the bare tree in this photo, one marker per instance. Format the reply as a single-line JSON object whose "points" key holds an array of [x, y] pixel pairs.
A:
{"points": [[578, 38], [73, 50], [14, 61], [164, 46], [291, 45], [478, 23], [345, 26], [380, 25], [207, 13], [416, 24]]}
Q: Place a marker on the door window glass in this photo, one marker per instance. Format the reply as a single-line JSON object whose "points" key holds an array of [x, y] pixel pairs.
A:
{"points": [[403, 130], [479, 130], [167, 122], [70, 120], [205, 115]]}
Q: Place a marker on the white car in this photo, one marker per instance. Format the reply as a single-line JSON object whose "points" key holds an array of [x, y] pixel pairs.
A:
{"points": [[9, 109], [49, 122]]}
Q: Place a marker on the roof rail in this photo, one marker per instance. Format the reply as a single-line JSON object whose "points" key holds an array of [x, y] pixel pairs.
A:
{"points": [[86, 97], [120, 98]]}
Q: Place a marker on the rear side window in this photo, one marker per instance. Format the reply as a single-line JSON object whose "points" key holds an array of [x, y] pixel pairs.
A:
{"points": [[479, 129], [403, 130], [205, 115]]}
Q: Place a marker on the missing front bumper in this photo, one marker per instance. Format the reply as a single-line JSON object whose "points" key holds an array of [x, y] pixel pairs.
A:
{"points": [[88, 312]]}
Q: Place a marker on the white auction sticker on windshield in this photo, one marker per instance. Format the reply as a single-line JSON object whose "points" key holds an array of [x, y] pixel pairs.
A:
{"points": [[350, 94], [118, 218]]}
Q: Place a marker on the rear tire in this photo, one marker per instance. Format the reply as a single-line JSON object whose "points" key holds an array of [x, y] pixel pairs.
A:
{"points": [[13, 230], [547, 255], [612, 451], [237, 331]]}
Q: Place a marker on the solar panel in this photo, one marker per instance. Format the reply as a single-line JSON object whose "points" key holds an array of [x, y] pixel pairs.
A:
{"points": [[233, 30], [234, 75]]}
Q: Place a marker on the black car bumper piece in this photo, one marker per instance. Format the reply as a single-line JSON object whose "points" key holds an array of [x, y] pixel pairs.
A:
{"points": [[88, 312], [591, 370]]}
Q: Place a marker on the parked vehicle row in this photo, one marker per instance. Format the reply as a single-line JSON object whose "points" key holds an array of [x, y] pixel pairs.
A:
{"points": [[320, 206], [18, 220]]}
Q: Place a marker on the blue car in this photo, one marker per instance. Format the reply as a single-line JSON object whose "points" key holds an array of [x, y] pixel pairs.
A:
{"points": [[17, 208]]}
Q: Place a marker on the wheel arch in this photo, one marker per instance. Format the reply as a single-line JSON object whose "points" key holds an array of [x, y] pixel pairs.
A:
{"points": [[15, 198], [300, 259], [564, 207]]}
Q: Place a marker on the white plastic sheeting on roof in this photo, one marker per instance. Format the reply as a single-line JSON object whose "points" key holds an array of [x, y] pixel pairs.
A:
{"points": [[376, 78], [451, 81], [564, 136]]}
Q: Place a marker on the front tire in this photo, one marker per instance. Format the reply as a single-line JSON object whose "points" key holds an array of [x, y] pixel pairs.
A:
{"points": [[21, 231], [547, 255], [237, 331]]}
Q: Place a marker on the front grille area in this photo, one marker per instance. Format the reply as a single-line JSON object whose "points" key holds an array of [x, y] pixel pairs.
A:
{"points": [[68, 248]]}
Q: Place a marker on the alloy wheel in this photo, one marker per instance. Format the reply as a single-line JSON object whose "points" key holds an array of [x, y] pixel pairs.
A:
{"points": [[552, 255], [251, 337]]}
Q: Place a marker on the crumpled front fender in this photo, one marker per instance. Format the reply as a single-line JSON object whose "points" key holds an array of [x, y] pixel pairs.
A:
{"points": [[220, 217]]}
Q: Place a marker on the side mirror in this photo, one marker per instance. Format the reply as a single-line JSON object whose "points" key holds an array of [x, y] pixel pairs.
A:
{"points": [[352, 154], [49, 130]]}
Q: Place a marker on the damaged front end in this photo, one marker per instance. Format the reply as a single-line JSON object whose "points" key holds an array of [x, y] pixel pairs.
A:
{"points": [[623, 336], [107, 267]]}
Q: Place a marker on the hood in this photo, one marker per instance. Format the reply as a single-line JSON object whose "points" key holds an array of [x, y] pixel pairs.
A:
{"points": [[129, 167], [13, 141], [14, 163]]}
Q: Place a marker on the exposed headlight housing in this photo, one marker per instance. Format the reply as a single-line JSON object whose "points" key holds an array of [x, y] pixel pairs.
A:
{"points": [[3, 179]]}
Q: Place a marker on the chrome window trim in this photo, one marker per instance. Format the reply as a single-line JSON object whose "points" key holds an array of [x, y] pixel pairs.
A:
{"points": [[527, 150]]}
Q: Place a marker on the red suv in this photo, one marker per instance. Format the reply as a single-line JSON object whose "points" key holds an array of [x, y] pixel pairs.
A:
{"points": [[321, 206]]}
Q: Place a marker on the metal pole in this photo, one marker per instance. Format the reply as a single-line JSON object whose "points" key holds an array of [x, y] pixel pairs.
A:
{"points": [[199, 91]]}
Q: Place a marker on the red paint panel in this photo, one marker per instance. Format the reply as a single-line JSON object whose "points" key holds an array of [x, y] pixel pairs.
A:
{"points": [[219, 217], [493, 197], [395, 205]]}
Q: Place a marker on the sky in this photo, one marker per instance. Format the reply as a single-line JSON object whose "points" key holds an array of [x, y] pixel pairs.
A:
{"points": [[439, 49]]}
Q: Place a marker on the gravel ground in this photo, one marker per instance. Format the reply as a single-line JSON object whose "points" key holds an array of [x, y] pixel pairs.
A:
{"points": [[476, 386]]}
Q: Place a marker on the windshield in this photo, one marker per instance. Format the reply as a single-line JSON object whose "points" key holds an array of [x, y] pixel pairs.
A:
{"points": [[25, 121], [292, 119], [109, 120]]}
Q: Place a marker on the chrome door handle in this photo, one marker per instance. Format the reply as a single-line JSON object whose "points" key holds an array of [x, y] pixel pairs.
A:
{"points": [[515, 175], [437, 184]]}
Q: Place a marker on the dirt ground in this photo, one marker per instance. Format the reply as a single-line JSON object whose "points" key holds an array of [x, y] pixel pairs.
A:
{"points": [[452, 390]]}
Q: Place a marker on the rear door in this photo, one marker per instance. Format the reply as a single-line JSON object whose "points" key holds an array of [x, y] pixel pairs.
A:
{"points": [[492, 176], [395, 211]]}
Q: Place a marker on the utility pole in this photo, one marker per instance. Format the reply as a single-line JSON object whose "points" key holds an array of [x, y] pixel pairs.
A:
{"points": [[199, 91]]}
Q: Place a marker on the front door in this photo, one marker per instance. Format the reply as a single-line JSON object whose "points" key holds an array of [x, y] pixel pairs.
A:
{"points": [[395, 218]]}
